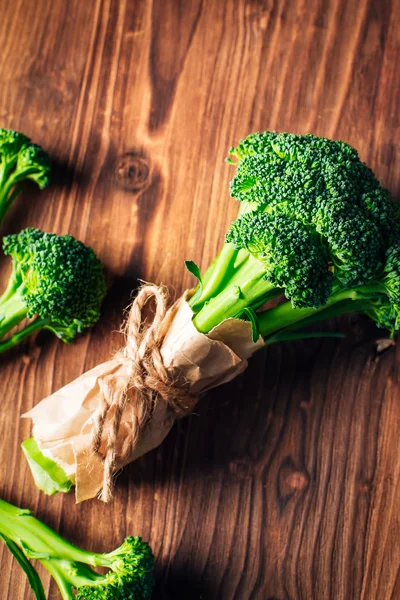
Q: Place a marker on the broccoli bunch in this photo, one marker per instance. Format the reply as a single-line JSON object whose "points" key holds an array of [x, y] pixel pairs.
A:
{"points": [[19, 159], [130, 567], [56, 282], [314, 225]]}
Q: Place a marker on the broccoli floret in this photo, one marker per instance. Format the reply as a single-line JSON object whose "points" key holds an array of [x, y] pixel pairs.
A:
{"points": [[355, 244], [19, 159], [56, 281], [130, 567], [384, 307], [291, 254], [391, 277], [304, 173], [320, 225], [384, 212]]}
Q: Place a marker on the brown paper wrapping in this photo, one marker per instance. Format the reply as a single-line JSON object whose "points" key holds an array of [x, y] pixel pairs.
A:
{"points": [[63, 422]]}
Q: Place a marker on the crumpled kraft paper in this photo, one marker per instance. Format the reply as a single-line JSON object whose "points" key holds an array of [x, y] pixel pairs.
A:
{"points": [[63, 422]]}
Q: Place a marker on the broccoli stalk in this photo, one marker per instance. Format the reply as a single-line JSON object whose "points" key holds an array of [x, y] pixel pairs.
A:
{"points": [[314, 225], [130, 574], [56, 282], [246, 287], [19, 160]]}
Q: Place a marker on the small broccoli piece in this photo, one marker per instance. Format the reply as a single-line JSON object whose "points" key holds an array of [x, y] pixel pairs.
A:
{"points": [[130, 567], [314, 225], [56, 281], [19, 159]]}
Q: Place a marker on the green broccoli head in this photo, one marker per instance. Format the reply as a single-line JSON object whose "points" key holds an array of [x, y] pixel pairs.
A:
{"points": [[58, 278], [290, 252], [324, 185], [33, 163], [130, 576], [19, 159], [11, 143]]}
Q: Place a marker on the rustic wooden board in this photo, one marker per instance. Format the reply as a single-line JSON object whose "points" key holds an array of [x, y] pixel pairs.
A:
{"points": [[286, 483]]}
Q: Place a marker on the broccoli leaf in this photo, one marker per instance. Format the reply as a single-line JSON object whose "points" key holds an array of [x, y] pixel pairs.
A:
{"points": [[255, 329], [194, 270]]}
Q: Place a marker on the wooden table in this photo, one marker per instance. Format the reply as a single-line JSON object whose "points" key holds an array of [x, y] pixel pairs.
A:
{"points": [[286, 483]]}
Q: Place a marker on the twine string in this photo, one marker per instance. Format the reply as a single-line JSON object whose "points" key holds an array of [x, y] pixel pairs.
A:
{"points": [[145, 380]]}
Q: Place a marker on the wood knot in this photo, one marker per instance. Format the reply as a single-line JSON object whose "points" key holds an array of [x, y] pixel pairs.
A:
{"points": [[291, 481], [132, 172]]}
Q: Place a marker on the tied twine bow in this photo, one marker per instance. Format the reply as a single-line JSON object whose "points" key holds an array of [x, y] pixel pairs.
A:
{"points": [[146, 380]]}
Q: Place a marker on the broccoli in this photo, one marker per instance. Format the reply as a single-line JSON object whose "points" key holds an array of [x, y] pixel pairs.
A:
{"points": [[57, 282], [19, 160], [130, 567], [314, 225]]}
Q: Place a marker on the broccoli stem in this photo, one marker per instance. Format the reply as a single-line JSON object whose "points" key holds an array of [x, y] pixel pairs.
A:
{"points": [[5, 205], [13, 309], [69, 576], [247, 288], [4, 169], [284, 317], [223, 267], [18, 337], [41, 542], [6, 184], [18, 525], [238, 282], [66, 589], [216, 276], [129, 567], [13, 284]]}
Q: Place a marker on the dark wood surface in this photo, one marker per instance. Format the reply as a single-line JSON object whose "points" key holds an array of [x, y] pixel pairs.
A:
{"points": [[285, 484]]}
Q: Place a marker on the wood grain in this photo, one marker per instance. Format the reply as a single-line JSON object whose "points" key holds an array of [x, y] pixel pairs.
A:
{"points": [[285, 485]]}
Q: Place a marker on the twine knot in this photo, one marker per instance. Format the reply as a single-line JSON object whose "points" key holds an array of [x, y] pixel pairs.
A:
{"points": [[144, 382]]}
